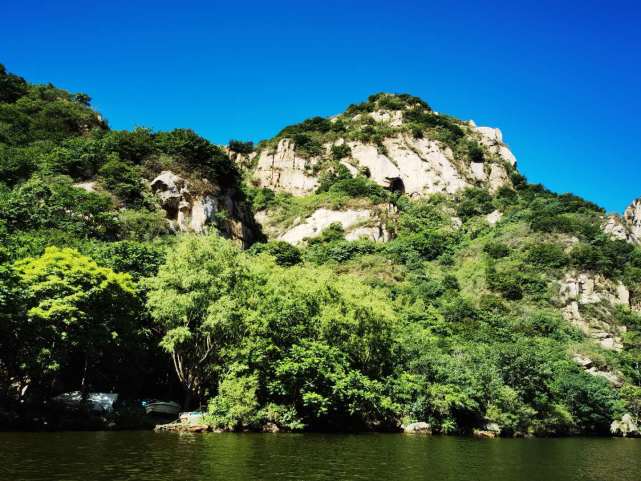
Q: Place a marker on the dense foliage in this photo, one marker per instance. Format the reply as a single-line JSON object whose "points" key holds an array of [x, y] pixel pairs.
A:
{"points": [[453, 321]]}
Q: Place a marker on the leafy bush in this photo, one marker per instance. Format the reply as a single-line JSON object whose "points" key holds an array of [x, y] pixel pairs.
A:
{"points": [[359, 187], [341, 151], [547, 255], [199, 154], [241, 147], [307, 145], [123, 179], [12, 87], [496, 250], [285, 254], [331, 176], [473, 202], [132, 146], [604, 256]]}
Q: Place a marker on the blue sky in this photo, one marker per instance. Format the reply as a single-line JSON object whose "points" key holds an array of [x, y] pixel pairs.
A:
{"points": [[562, 79]]}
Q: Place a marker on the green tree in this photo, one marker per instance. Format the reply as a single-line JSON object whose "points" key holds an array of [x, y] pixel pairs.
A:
{"points": [[78, 316], [195, 300]]}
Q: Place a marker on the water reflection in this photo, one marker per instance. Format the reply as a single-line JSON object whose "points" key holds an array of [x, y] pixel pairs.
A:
{"points": [[230, 457]]}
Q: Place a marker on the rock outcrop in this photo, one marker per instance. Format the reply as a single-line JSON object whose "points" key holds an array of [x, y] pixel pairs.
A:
{"points": [[417, 428], [284, 170], [626, 227], [492, 139], [357, 224], [589, 366], [415, 165], [493, 217], [615, 228], [583, 289], [632, 218], [626, 426], [189, 211], [412, 166]]}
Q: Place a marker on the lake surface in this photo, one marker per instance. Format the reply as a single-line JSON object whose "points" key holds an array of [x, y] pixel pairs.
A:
{"points": [[168, 456]]}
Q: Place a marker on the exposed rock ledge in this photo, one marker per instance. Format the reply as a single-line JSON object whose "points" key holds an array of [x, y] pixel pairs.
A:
{"points": [[362, 223], [626, 228], [188, 211], [632, 218], [584, 289], [588, 365]]}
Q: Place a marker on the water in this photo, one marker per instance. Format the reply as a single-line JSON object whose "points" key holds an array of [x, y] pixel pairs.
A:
{"points": [[229, 457]]}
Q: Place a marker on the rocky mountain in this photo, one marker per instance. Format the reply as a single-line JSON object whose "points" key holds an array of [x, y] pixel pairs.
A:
{"points": [[385, 267], [396, 141]]}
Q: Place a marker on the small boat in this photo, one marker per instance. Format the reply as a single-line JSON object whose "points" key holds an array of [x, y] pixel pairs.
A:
{"points": [[95, 401], [162, 407]]}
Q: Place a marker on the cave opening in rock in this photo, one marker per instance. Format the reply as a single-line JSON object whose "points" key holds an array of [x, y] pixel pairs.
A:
{"points": [[171, 210], [395, 184]]}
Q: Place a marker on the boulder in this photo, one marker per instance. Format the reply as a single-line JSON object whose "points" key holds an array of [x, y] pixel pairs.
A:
{"points": [[492, 427], [626, 426], [493, 217], [417, 428], [270, 428], [483, 434], [87, 186]]}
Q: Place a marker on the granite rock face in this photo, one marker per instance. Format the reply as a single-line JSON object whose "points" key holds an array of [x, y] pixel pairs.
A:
{"points": [[357, 224], [632, 218], [284, 170], [580, 290], [402, 162], [190, 211]]}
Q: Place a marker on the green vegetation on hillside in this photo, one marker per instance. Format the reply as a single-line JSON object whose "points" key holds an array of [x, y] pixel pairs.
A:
{"points": [[454, 321]]}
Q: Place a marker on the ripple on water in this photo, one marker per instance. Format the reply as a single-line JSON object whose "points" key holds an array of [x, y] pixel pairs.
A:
{"points": [[229, 457]]}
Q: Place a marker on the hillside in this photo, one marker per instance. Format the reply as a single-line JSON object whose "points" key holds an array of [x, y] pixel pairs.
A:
{"points": [[385, 266]]}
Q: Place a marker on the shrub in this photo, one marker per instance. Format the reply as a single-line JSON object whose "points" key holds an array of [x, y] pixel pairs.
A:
{"points": [[507, 283], [307, 145], [132, 146], [197, 153], [236, 405], [241, 147], [360, 187], [341, 151], [496, 250], [142, 225], [123, 179], [285, 254], [605, 256], [315, 124], [473, 202], [547, 255], [12, 87], [260, 198], [330, 177]]}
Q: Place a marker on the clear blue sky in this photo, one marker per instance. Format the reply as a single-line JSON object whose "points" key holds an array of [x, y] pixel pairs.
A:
{"points": [[562, 79]]}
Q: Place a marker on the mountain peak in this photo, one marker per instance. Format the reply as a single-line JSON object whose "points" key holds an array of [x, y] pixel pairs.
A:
{"points": [[396, 140]]}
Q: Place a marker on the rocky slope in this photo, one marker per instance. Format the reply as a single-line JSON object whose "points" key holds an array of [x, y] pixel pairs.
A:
{"points": [[396, 141]]}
